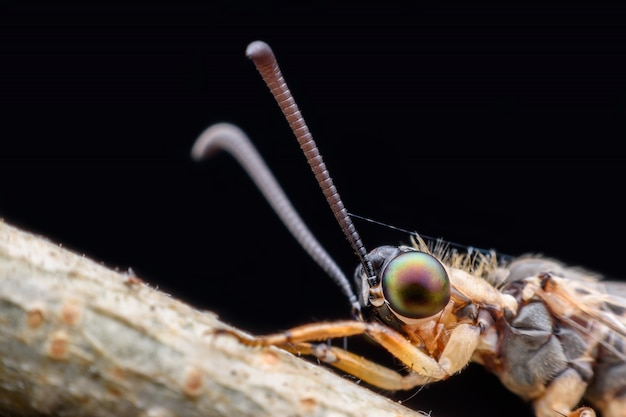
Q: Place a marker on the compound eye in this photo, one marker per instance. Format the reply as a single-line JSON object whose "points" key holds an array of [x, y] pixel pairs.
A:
{"points": [[415, 285]]}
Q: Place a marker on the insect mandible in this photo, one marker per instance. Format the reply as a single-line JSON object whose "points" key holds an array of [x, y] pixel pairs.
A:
{"points": [[554, 335]]}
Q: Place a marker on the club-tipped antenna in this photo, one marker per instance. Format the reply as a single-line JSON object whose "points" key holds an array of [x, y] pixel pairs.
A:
{"points": [[261, 54], [225, 136]]}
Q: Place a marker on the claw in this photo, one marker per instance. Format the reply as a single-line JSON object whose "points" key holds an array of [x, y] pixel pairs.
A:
{"points": [[243, 339], [582, 412]]}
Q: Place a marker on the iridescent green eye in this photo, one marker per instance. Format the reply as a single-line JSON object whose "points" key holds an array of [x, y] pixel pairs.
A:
{"points": [[415, 285]]}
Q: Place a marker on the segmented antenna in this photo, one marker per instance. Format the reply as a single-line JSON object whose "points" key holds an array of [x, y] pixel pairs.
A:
{"points": [[265, 62], [224, 136]]}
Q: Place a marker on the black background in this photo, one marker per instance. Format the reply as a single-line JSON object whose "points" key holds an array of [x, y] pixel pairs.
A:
{"points": [[498, 127]]}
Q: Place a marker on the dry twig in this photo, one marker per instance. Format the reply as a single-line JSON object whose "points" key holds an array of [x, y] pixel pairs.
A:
{"points": [[79, 339]]}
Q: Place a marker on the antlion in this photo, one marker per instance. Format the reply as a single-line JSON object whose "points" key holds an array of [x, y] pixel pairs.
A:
{"points": [[80, 339], [554, 335]]}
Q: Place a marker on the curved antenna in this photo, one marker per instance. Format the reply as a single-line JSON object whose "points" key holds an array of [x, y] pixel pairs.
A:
{"points": [[265, 62], [224, 136]]}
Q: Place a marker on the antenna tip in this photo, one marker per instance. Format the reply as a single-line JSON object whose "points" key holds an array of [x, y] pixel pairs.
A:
{"points": [[259, 50], [214, 138]]}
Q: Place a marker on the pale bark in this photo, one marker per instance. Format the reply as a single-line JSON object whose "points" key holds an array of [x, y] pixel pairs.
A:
{"points": [[79, 339]]}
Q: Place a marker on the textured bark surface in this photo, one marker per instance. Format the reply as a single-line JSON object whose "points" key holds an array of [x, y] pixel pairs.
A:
{"points": [[79, 339]]}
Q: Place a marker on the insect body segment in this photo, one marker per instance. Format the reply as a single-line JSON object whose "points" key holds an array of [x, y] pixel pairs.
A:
{"points": [[552, 334]]}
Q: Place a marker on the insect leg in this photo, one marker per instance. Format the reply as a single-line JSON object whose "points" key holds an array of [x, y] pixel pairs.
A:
{"points": [[462, 342], [562, 395], [359, 367], [614, 407]]}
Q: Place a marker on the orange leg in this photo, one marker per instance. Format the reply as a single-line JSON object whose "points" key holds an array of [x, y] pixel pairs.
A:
{"points": [[359, 367], [461, 344]]}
